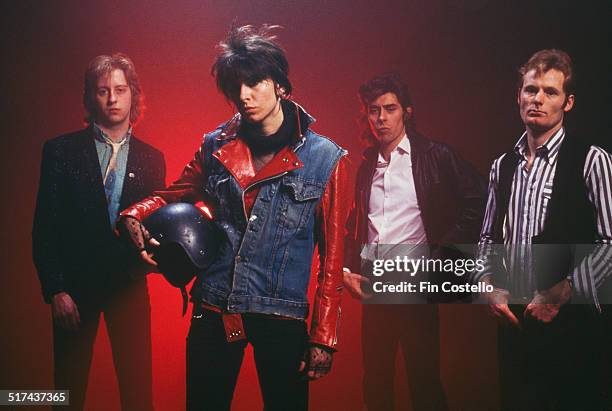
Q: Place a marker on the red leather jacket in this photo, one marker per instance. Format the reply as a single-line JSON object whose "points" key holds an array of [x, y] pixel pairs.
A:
{"points": [[331, 215]]}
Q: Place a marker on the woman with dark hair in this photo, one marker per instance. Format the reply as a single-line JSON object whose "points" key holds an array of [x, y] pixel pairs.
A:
{"points": [[274, 187]]}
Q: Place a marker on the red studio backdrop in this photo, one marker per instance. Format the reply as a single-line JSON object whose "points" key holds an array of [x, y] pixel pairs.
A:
{"points": [[459, 58]]}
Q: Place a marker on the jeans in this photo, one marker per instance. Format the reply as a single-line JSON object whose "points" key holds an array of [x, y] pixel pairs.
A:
{"points": [[213, 364]]}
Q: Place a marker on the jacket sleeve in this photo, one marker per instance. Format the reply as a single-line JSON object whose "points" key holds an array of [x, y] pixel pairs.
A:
{"points": [[187, 188], [46, 231], [352, 246], [352, 259], [470, 192], [331, 224]]}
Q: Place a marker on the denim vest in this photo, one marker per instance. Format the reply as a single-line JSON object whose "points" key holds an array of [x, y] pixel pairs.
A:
{"points": [[264, 263]]}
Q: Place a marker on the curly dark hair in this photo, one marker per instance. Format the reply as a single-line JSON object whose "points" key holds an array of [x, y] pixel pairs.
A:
{"points": [[248, 56], [376, 87], [102, 65]]}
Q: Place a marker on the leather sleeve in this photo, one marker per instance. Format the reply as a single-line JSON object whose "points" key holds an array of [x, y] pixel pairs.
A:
{"points": [[352, 259], [471, 193], [354, 223], [331, 222], [47, 230], [142, 209], [187, 188]]}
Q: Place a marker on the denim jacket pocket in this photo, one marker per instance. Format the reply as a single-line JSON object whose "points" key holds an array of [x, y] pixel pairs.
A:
{"points": [[295, 224], [298, 200]]}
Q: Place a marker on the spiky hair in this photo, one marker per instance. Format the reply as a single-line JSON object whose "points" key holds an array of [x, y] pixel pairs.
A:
{"points": [[248, 55]]}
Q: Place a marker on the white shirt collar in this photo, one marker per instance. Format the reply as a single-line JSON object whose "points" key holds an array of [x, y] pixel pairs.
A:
{"points": [[403, 146]]}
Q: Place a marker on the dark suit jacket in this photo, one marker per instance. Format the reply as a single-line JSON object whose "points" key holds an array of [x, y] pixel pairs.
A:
{"points": [[450, 192], [74, 247]]}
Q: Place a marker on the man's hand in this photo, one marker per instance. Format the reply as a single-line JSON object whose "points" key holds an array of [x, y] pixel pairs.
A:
{"points": [[65, 312], [352, 282], [317, 362], [546, 304], [497, 302], [133, 230]]}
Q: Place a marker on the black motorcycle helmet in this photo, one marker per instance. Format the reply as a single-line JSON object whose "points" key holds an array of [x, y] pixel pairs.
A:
{"points": [[188, 239]]}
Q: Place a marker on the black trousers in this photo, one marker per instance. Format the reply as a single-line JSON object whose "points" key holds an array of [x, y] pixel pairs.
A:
{"points": [[416, 328], [551, 366], [213, 364], [128, 320]]}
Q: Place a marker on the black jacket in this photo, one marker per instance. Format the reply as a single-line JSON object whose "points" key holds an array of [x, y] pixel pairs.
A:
{"points": [[450, 192], [74, 248]]}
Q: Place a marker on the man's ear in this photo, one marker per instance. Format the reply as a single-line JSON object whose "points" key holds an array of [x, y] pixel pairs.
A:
{"points": [[569, 103], [280, 91], [408, 113]]}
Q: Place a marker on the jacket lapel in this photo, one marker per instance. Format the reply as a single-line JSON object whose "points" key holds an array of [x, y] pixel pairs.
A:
{"points": [[418, 145], [93, 187], [133, 178]]}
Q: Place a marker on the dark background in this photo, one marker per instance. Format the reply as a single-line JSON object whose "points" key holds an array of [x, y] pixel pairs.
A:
{"points": [[459, 58]]}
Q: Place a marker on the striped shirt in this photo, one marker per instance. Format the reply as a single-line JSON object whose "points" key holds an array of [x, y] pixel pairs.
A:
{"points": [[530, 192]]}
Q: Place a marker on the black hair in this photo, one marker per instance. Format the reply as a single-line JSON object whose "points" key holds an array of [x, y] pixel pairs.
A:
{"points": [[376, 87], [248, 56], [385, 83]]}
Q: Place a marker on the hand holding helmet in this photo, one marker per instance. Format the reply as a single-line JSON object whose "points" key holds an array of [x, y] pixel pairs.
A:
{"points": [[187, 240], [130, 228]]}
